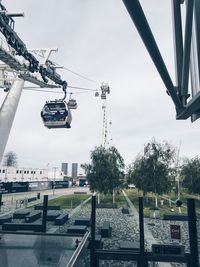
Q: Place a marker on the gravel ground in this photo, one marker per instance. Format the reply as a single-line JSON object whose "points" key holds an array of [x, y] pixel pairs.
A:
{"points": [[124, 228]]}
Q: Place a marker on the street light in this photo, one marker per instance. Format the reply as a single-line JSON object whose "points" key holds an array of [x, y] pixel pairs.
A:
{"points": [[54, 177]]}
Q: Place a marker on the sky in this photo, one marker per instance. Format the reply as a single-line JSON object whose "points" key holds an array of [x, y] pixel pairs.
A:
{"points": [[97, 39]]}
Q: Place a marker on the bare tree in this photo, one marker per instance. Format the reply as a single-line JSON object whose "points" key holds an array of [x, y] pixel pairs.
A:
{"points": [[10, 159]]}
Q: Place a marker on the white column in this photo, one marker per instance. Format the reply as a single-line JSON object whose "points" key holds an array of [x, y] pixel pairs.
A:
{"points": [[7, 113]]}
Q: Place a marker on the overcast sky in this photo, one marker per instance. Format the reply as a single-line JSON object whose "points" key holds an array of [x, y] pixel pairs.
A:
{"points": [[98, 40]]}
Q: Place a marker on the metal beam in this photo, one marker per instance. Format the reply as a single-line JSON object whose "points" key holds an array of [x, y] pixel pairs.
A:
{"points": [[33, 79], [191, 107], [168, 258], [15, 14], [134, 256], [44, 214], [197, 28], [187, 49], [11, 61], [142, 261], [137, 15], [117, 255], [178, 42], [93, 224]]}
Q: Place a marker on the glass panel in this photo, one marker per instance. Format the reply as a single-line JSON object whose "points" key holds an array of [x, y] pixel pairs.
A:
{"points": [[36, 250]]}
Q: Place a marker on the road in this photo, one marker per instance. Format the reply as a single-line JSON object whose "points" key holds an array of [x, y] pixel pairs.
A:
{"points": [[13, 201]]}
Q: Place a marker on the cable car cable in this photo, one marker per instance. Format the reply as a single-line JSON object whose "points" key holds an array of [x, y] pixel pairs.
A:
{"points": [[81, 76], [83, 88], [38, 89], [78, 74], [78, 88]]}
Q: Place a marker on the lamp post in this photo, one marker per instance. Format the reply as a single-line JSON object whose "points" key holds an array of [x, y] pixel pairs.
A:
{"points": [[6, 174], [54, 177]]}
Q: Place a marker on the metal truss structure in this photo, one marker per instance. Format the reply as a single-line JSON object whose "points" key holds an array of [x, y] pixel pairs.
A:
{"points": [[12, 64], [187, 54], [17, 65]]}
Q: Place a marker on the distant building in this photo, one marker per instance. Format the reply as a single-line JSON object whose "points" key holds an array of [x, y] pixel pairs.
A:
{"points": [[20, 174], [65, 168], [74, 170], [12, 174]]}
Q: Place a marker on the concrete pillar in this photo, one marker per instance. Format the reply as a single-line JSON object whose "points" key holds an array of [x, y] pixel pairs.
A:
{"points": [[7, 113]]}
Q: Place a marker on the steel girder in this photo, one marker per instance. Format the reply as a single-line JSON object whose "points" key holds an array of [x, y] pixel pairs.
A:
{"points": [[179, 92]]}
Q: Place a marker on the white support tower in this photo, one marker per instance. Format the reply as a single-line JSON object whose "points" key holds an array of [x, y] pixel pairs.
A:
{"points": [[7, 113]]}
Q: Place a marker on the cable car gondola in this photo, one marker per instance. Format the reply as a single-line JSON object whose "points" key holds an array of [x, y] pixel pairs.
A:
{"points": [[56, 114], [72, 104], [103, 95]]}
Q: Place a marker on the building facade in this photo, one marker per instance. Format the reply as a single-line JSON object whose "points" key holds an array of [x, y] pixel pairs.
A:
{"points": [[65, 168], [74, 170], [12, 174]]}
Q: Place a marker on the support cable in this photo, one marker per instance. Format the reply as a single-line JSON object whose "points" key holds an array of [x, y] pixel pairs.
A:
{"points": [[83, 88], [81, 76], [77, 74], [38, 89]]}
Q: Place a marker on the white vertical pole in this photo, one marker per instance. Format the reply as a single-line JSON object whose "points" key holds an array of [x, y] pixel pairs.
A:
{"points": [[113, 196], [7, 113]]}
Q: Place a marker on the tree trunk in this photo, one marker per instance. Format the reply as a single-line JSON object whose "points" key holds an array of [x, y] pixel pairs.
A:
{"points": [[156, 200], [113, 196], [179, 210]]}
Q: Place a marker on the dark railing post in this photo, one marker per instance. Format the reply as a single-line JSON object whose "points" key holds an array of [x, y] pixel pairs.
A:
{"points": [[0, 201], [192, 224], [143, 261], [92, 241], [44, 215]]}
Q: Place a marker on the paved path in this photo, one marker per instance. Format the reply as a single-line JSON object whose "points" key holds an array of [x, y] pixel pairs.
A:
{"points": [[148, 235]]}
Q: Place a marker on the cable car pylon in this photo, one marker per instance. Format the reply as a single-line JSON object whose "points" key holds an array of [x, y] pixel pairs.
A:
{"points": [[105, 89], [7, 113]]}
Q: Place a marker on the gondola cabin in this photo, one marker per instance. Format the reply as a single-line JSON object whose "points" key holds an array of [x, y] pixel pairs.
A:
{"points": [[72, 104], [103, 95], [56, 114]]}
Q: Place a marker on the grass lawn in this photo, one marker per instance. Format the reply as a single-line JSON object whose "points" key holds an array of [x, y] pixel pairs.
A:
{"points": [[69, 201], [66, 201], [108, 198], [149, 202], [72, 201]]}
